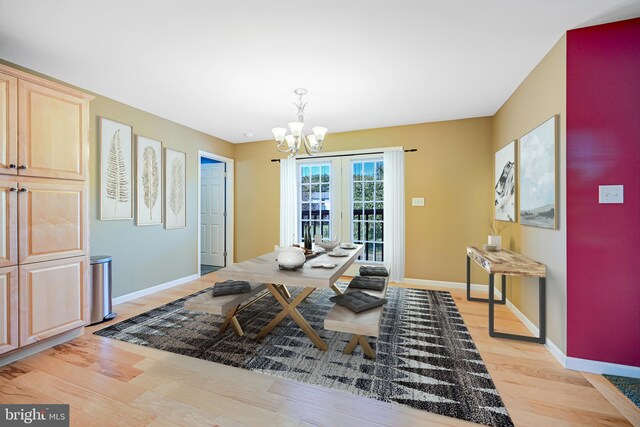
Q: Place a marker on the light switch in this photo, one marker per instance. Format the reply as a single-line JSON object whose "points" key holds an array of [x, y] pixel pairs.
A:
{"points": [[417, 201], [611, 194]]}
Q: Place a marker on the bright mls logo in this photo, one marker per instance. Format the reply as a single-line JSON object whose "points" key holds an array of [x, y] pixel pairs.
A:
{"points": [[34, 415]]}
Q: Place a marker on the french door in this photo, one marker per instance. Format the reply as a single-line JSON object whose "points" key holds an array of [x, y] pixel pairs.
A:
{"points": [[344, 197]]}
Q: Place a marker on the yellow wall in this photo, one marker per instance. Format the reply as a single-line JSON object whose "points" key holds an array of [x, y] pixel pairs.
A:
{"points": [[452, 170], [541, 95], [146, 256]]}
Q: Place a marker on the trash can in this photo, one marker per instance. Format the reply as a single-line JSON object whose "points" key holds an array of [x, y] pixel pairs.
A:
{"points": [[101, 289]]}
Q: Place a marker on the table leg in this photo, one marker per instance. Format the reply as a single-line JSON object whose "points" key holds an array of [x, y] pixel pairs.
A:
{"points": [[336, 289], [289, 308], [502, 300], [491, 308]]}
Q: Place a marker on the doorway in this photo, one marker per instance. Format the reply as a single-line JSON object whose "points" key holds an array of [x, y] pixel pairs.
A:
{"points": [[214, 201]]}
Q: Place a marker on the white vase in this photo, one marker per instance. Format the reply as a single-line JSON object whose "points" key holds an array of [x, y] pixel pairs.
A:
{"points": [[495, 241]]}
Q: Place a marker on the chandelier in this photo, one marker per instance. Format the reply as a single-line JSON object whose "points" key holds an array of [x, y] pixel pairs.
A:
{"points": [[291, 143]]}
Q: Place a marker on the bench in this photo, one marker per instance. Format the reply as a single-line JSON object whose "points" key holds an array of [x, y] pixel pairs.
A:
{"points": [[227, 305], [360, 325]]}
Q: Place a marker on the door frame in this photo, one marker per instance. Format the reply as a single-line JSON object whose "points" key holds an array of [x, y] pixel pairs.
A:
{"points": [[229, 203]]}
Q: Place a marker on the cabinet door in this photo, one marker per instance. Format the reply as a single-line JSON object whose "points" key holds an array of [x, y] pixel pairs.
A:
{"points": [[8, 221], [53, 137], [8, 124], [53, 298], [8, 309], [53, 220]]}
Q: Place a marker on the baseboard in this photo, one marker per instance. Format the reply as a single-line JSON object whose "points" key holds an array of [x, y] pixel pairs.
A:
{"points": [[443, 284], [154, 289], [39, 346], [596, 367]]}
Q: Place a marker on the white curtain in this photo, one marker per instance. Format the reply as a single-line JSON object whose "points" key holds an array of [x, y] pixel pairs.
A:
{"points": [[288, 202], [394, 213]]}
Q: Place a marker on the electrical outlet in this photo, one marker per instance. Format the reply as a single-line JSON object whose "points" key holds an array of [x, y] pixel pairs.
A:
{"points": [[611, 194], [417, 201]]}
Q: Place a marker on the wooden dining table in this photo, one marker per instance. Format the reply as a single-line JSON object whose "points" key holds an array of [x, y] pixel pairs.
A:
{"points": [[265, 269]]}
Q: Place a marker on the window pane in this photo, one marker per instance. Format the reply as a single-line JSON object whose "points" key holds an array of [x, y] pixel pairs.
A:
{"points": [[379, 171], [304, 172], [357, 191], [315, 174], [379, 191], [368, 171], [368, 191], [326, 174], [357, 171], [325, 192], [315, 192], [305, 193], [379, 232]]}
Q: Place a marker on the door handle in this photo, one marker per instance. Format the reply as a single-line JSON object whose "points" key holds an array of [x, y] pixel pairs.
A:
{"points": [[13, 189], [22, 167], [12, 166], [23, 190]]}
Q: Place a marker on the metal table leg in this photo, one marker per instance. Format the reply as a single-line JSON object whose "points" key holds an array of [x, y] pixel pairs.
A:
{"points": [[503, 300], [542, 310]]}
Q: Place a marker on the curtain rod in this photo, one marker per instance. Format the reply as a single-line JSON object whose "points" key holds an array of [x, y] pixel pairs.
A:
{"points": [[410, 150]]}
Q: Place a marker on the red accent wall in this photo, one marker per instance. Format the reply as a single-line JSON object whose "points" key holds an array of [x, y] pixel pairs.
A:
{"points": [[603, 147]]}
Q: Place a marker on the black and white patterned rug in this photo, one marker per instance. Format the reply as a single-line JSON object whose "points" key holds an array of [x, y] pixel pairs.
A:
{"points": [[426, 358]]}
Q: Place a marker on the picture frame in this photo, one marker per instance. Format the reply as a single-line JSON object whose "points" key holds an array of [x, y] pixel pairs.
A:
{"points": [[116, 188], [148, 181], [538, 177], [175, 167], [504, 193]]}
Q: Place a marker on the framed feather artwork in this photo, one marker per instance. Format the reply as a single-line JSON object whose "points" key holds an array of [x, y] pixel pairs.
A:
{"points": [[175, 198], [116, 195], [148, 181]]}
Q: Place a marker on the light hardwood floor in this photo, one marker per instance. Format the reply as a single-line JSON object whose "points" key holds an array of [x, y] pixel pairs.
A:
{"points": [[108, 382]]}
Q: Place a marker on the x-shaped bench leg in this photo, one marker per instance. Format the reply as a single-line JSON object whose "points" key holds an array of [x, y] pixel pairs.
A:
{"points": [[362, 340], [233, 321], [289, 309]]}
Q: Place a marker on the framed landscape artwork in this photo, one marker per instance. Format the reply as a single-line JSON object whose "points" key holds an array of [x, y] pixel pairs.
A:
{"points": [[148, 181], [116, 195], [538, 176], [175, 189], [505, 183]]}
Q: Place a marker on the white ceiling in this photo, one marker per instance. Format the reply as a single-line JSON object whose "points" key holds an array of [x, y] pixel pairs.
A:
{"points": [[230, 67]]}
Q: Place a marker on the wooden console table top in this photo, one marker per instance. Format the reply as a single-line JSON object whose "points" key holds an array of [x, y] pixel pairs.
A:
{"points": [[506, 262]]}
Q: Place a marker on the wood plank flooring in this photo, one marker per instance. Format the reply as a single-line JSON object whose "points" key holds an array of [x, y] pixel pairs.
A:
{"points": [[112, 383]]}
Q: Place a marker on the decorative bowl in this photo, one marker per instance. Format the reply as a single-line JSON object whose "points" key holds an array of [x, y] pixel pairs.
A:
{"points": [[490, 248], [329, 245], [291, 257]]}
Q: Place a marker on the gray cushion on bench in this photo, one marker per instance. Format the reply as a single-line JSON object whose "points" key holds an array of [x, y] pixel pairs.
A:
{"points": [[229, 287], [358, 301], [369, 270], [368, 282]]}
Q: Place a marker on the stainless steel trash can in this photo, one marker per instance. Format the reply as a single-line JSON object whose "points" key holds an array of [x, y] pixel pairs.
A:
{"points": [[101, 289]]}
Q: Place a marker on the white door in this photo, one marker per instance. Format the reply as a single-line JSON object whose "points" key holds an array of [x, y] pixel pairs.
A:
{"points": [[212, 214]]}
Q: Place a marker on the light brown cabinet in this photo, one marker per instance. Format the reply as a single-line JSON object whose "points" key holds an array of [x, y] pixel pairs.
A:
{"points": [[8, 309], [53, 298], [44, 209]]}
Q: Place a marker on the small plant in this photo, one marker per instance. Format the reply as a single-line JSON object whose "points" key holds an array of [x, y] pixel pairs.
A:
{"points": [[496, 227]]}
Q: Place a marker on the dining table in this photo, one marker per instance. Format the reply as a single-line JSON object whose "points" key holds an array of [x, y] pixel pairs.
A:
{"points": [[265, 269]]}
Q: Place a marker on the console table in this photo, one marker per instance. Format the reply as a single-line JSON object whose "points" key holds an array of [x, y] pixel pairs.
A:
{"points": [[508, 263]]}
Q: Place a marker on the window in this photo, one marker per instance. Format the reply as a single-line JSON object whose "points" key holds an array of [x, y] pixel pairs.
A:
{"points": [[315, 199], [367, 202], [344, 197]]}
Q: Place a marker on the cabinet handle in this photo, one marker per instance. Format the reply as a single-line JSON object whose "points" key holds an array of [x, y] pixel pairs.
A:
{"points": [[22, 167], [23, 190], [13, 189], [12, 166]]}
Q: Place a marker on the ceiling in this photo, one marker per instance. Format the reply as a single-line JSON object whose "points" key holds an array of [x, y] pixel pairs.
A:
{"points": [[229, 68]]}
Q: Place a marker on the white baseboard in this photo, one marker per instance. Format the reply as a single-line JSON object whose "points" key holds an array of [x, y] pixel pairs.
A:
{"points": [[596, 367], [154, 289]]}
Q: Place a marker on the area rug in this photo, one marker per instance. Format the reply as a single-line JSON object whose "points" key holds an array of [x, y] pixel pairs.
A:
{"points": [[630, 387], [426, 358]]}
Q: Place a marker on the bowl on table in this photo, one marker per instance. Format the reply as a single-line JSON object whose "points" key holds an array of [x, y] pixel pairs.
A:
{"points": [[329, 245], [291, 257]]}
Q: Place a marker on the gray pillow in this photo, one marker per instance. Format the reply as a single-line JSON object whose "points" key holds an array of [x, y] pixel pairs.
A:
{"points": [[369, 270], [368, 282], [229, 287], [358, 301]]}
